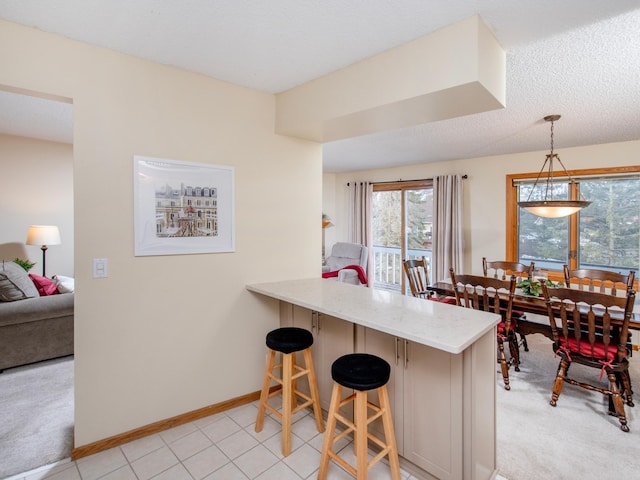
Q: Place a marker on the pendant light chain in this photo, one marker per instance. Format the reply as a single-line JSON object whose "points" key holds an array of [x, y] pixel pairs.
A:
{"points": [[552, 156], [552, 137]]}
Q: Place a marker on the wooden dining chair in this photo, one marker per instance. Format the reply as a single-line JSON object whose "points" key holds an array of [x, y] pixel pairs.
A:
{"points": [[502, 269], [417, 272], [603, 281], [585, 336], [492, 295]]}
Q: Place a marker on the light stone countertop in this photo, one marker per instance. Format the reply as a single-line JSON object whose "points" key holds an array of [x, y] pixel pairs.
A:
{"points": [[438, 325]]}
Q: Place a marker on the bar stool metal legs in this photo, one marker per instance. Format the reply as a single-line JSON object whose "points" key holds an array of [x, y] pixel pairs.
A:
{"points": [[288, 341], [361, 372]]}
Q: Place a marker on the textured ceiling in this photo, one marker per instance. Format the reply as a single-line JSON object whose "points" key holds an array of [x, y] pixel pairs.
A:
{"points": [[578, 58]]}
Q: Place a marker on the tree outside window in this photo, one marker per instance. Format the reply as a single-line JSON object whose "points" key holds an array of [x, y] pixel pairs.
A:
{"points": [[605, 235], [402, 219]]}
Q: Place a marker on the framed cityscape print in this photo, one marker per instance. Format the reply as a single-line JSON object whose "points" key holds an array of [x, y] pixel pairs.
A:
{"points": [[182, 207]]}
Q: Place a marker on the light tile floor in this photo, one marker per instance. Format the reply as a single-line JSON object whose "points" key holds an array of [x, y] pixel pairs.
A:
{"points": [[220, 447]]}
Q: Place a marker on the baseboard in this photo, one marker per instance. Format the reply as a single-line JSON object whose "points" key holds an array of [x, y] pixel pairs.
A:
{"points": [[126, 437]]}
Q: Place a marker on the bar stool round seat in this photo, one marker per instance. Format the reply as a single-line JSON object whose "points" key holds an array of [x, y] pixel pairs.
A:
{"points": [[287, 341], [361, 372]]}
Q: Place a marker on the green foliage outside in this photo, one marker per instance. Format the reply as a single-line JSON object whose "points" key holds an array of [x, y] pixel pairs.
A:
{"points": [[419, 205], [387, 228], [610, 226], [387, 223], [608, 233]]}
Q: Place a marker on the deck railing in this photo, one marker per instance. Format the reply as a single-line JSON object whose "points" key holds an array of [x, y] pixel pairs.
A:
{"points": [[387, 266]]}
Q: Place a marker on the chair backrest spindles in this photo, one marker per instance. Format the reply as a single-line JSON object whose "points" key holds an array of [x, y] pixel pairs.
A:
{"points": [[601, 281], [504, 269], [487, 293], [417, 271]]}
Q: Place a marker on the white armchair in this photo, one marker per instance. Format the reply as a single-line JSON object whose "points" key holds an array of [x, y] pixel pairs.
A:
{"points": [[345, 254]]}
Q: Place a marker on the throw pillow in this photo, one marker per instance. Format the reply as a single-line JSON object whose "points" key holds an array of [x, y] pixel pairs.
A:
{"points": [[64, 284], [44, 285], [15, 283]]}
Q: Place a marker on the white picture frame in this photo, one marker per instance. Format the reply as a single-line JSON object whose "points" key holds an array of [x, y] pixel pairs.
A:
{"points": [[182, 208]]}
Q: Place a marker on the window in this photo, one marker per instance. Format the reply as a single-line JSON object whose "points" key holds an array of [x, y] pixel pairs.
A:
{"points": [[605, 235], [402, 219]]}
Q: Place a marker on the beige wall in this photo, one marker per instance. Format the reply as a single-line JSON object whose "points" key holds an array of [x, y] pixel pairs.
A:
{"points": [[37, 189], [484, 190], [165, 335]]}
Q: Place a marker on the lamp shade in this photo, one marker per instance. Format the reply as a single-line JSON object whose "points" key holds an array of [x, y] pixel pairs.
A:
{"points": [[43, 235], [553, 208]]}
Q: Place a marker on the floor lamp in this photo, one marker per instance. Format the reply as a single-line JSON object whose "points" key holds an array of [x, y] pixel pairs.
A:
{"points": [[326, 223], [43, 235]]}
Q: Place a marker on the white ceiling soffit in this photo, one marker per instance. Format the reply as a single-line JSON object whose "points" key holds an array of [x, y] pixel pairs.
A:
{"points": [[578, 58], [590, 76], [36, 117]]}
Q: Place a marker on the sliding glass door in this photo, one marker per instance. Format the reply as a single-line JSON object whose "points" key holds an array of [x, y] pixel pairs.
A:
{"points": [[402, 221]]}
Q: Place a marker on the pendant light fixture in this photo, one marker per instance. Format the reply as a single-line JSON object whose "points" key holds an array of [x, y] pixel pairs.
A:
{"points": [[550, 207]]}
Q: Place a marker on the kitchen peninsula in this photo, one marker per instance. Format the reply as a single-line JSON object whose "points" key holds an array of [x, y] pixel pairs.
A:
{"points": [[442, 358]]}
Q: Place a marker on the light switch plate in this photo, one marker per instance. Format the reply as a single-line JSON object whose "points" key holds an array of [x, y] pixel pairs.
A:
{"points": [[100, 268]]}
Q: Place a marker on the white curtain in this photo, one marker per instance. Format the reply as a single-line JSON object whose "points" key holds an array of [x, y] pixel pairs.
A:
{"points": [[359, 217], [447, 226]]}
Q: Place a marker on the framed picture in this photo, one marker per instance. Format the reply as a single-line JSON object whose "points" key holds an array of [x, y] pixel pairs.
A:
{"points": [[182, 208]]}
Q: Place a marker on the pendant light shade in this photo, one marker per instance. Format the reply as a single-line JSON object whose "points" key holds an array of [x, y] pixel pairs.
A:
{"points": [[553, 208], [548, 207]]}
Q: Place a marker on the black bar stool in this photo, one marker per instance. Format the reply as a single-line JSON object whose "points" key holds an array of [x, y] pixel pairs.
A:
{"points": [[361, 372], [288, 341]]}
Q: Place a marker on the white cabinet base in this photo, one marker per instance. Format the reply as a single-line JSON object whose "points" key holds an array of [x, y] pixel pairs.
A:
{"points": [[443, 358], [440, 402]]}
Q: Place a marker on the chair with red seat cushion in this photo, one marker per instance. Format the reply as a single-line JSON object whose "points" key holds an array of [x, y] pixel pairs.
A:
{"points": [[417, 271], [492, 295], [586, 336], [503, 269], [605, 280]]}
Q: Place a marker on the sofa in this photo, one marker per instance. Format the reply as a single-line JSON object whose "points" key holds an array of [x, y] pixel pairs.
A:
{"points": [[35, 327]]}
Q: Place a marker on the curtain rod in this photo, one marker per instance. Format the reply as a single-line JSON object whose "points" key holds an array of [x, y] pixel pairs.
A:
{"points": [[464, 177]]}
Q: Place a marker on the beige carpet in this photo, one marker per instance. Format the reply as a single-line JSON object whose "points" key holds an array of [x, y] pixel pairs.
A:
{"points": [[36, 415], [575, 439]]}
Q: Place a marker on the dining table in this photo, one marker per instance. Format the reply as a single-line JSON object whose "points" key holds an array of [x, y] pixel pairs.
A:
{"points": [[538, 323]]}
